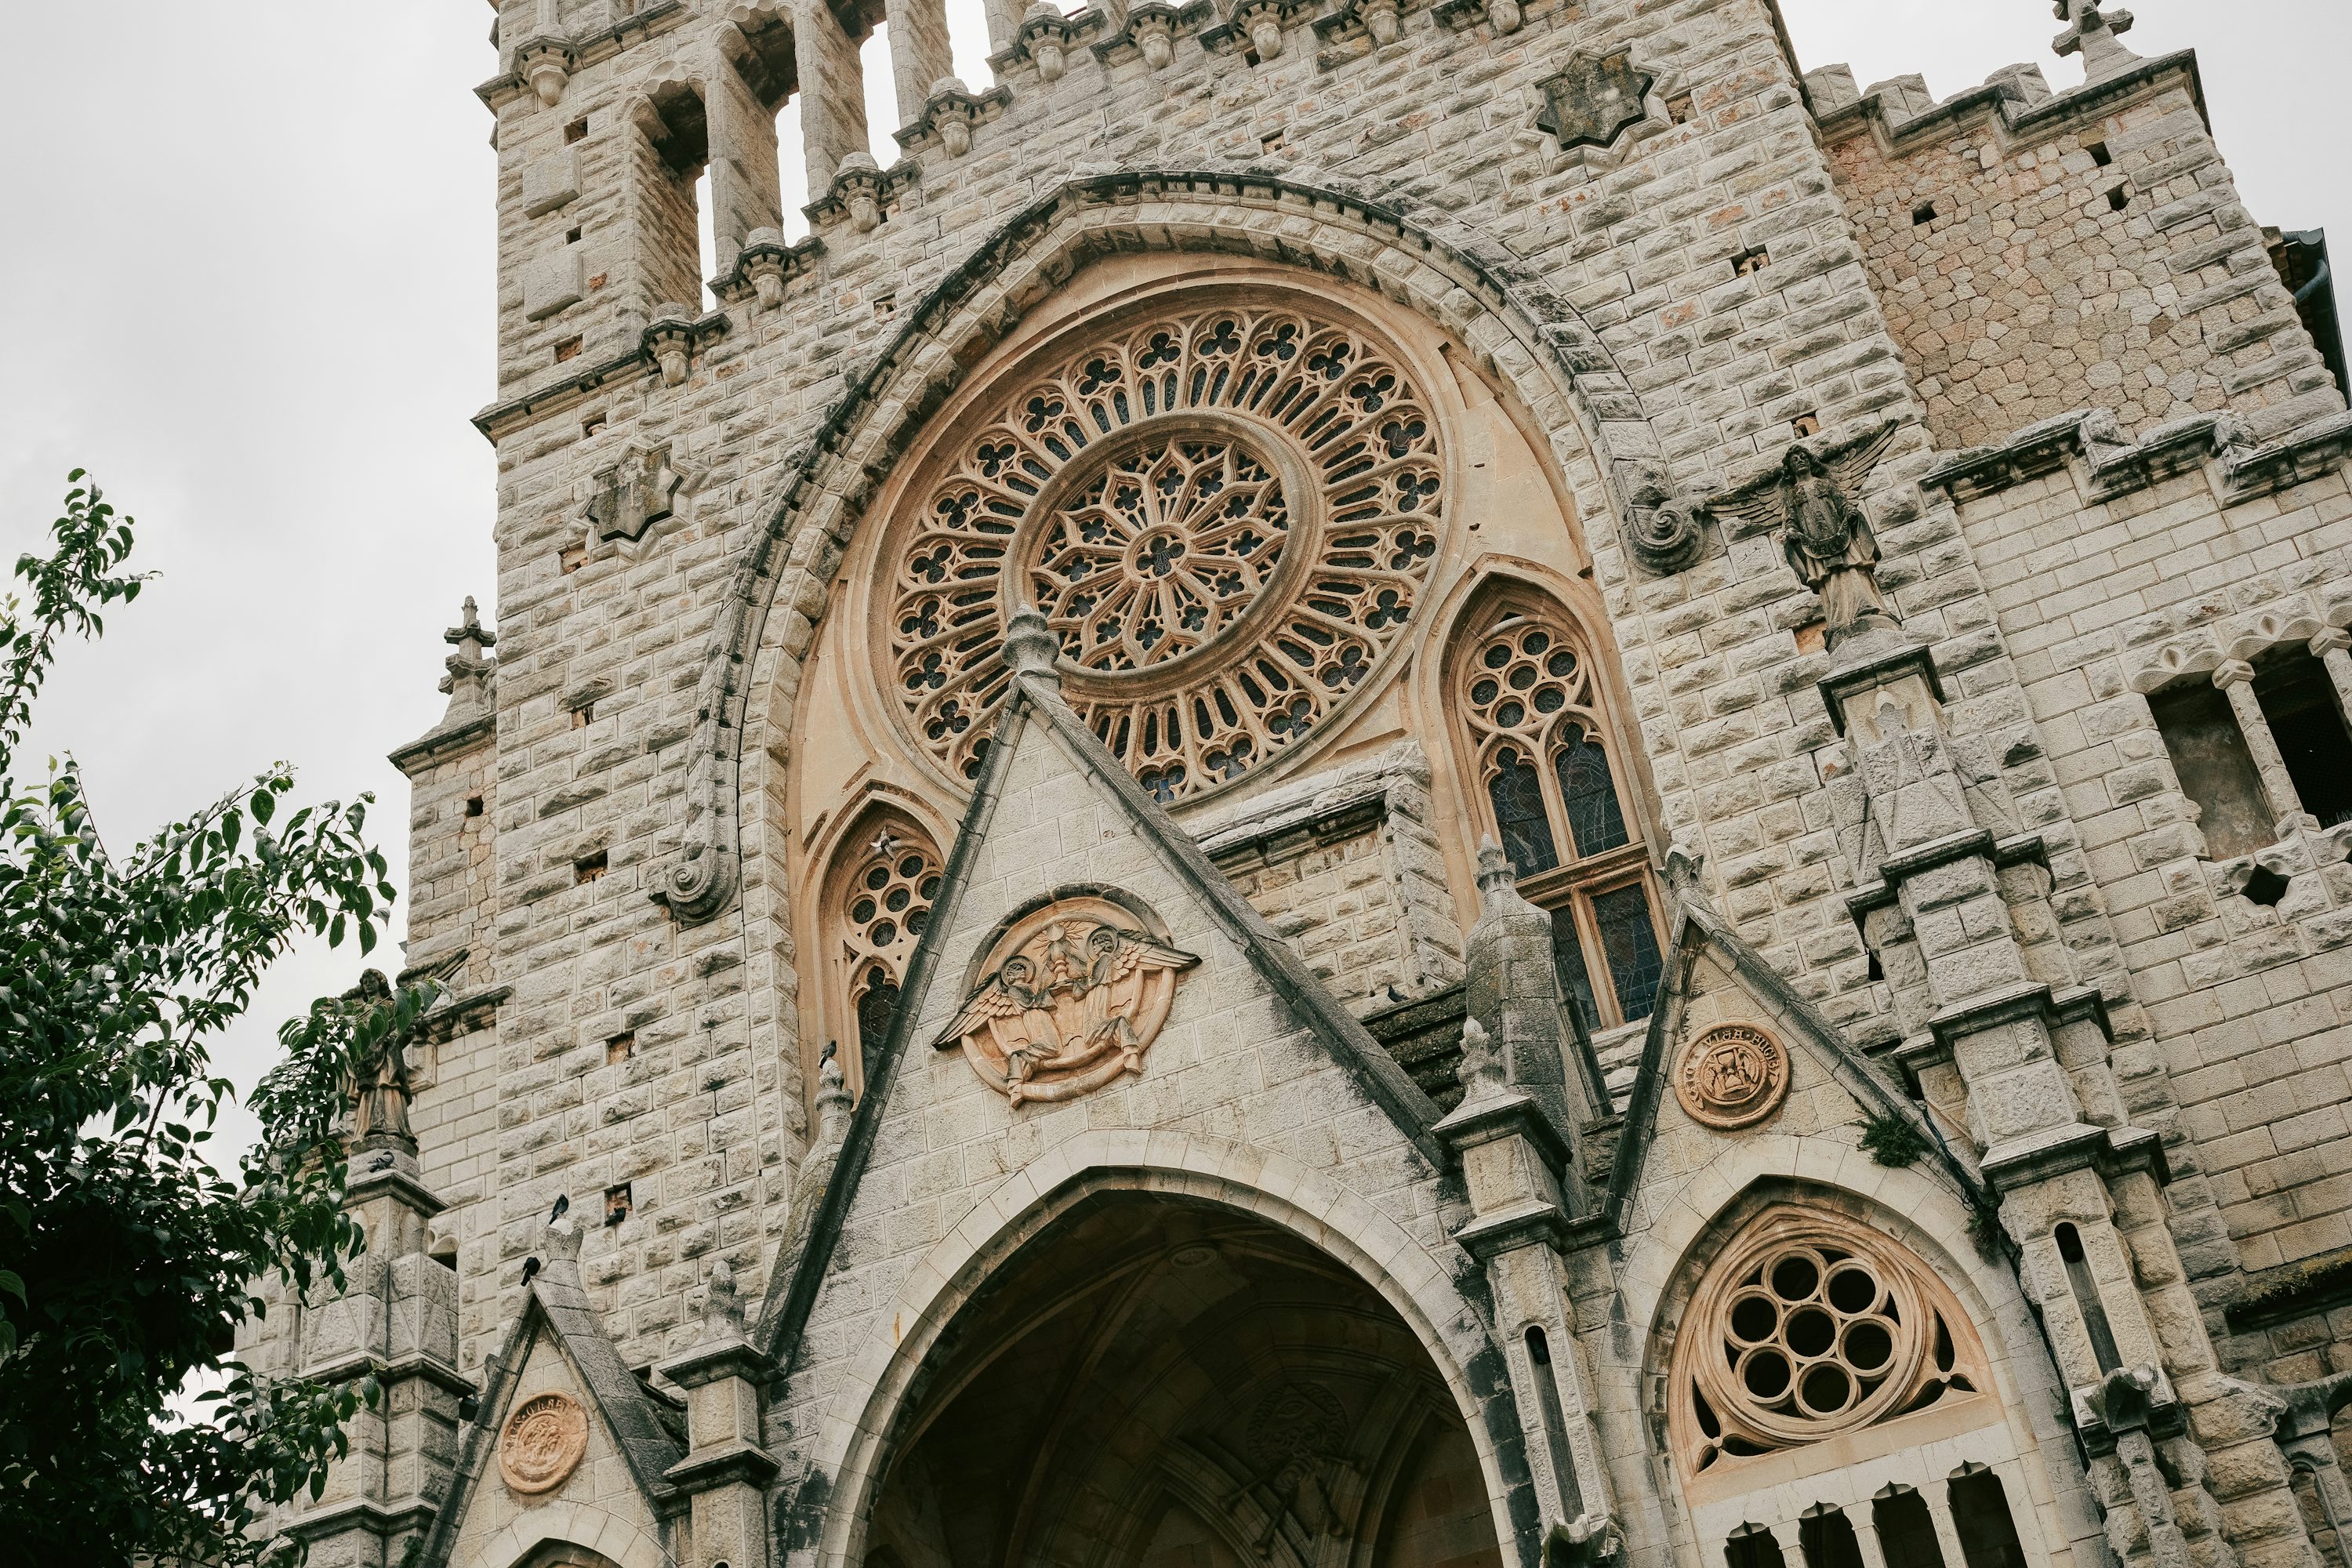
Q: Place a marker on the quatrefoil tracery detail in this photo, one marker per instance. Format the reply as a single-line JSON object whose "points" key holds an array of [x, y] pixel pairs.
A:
{"points": [[1228, 518]]}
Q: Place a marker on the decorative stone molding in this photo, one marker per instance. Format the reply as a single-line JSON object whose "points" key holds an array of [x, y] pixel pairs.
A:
{"points": [[950, 114], [1505, 16], [1073, 999], [1255, 25], [635, 492], [1152, 29], [546, 64], [542, 1444], [1046, 38], [1732, 1076], [2113, 463], [1554, 358], [1382, 20], [862, 191], [650, 20], [1595, 97]]}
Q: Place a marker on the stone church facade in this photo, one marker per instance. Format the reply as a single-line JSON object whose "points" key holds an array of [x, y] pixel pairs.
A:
{"points": [[1371, 783]]}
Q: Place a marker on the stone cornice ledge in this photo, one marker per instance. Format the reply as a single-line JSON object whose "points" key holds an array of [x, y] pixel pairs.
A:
{"points": [[2078, 1146], [449, 741], [2114, 466], [657, 17], [2018, 849], [2034, 999], [501, 419], [1508, 1229]]}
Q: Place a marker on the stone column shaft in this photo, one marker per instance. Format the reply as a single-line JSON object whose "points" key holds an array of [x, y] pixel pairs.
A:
{"points": [[2329, 648], [2236, 677], [832, 95], [919, 54], [746, 191]]}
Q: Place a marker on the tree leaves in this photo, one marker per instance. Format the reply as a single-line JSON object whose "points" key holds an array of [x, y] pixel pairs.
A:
{"points": [[127, 1261]]}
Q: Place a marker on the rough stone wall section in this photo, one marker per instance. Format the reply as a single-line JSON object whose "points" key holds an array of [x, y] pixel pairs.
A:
{"points": [[2035, 257]]}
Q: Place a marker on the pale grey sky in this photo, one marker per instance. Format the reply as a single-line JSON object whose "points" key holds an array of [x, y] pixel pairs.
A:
{"points": [[247, 275]]}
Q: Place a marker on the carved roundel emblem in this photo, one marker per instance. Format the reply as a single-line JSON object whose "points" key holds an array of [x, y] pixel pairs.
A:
{"points": [[1072, 998], [1733, 1075], [543, 1443]]}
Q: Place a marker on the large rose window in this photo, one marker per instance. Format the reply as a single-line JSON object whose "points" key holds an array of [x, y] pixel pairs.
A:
{"points": [[1228, 518]]}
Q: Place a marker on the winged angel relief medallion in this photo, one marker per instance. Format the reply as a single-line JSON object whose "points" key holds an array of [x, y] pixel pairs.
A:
{"points": [[1072, 1000]]}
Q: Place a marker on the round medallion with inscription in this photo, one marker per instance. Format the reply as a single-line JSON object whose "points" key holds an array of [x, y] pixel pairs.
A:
{"points": [[1733, 1075], [543, 1443]]}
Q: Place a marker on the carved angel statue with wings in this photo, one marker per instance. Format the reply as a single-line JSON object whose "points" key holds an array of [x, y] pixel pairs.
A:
{"points": [[1824, 532], [1074, 1002]]}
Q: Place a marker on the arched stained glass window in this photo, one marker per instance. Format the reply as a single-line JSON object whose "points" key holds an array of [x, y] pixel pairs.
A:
{"points": [[877, 902], [1527, 695]]}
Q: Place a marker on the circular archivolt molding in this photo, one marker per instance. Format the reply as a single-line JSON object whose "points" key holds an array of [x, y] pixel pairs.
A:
{"points": [[1732, 1076], [1227, 517], [543, 1443]]}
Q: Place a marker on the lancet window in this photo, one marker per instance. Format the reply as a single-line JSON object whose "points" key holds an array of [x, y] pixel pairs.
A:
{"points": [[879, 903], [1527, 692]]}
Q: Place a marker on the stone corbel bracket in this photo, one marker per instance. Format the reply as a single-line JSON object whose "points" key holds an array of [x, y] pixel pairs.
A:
{"points": [[767, 267], [1505, 16], [950, 114], [675, 336], [2111, 464], [1255, 26], [545, 65], [1382, 21], [657, 17], [863, 192], [1152, 30], [498, 419], [1047, 40]]}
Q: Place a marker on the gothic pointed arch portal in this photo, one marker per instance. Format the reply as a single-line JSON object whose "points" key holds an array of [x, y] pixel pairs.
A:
{"points": [[1151, 1379]]}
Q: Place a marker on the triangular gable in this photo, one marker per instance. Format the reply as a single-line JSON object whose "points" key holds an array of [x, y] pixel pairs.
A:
{"points": [[1698, 933], [556, 1313], [1035, 710]]}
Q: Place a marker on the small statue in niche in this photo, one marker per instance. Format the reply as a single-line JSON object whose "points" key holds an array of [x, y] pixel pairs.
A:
{"points": [[1824, 532], [379, 1082]]}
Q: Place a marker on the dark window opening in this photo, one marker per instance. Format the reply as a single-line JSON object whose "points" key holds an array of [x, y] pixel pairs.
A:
{"points": [[621, 1046], [1825, 1538], [1752, 1546], [1877, 971], [575, 132], [2118, 198], [592, 425], [2216, 771], [1563, 1464], [2307, 719], [1805, 425], [583, 715], [590, 868], [2265, 886], [1595, 821], [2099, 153], [572, 235], [1906, 1535], [1575, 978], [1923, 215], [2086, 1297], [473, 806], [567, 348], [1748, 261], [1980, 1517], [878, 1009], [616, 1204]]}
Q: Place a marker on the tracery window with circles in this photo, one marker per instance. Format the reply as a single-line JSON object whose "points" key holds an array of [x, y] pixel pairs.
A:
{"points": [[1228, 517], [1528, 693], [880, 903], [1809, 1325]]}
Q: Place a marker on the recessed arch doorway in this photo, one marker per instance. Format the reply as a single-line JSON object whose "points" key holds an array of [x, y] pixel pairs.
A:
{"points": [[1161, 1382]]}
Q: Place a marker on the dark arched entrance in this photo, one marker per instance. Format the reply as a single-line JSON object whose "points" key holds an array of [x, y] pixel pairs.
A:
{"points": [[1161, 1383]]}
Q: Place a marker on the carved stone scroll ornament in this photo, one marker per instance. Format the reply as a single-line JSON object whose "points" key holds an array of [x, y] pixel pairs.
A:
{"points": [[1664, 529], [1732, 1076], [1072, 999], [1824, 532], [543, 1443]]}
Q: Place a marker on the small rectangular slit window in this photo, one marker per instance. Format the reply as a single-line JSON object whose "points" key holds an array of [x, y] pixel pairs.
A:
{"points": [[575, 132], [1805, 425], [567, 348], [616, 1204], [621, 1046], [592, 425], [588, 868], [2099, 153], [2118, 198], [1274, 141], [473, 806], [1748, 261], [1923, 215], [583, 715]]}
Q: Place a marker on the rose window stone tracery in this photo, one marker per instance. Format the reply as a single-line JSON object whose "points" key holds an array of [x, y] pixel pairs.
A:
{"points": [[1227, 518], [1810, 1325]]}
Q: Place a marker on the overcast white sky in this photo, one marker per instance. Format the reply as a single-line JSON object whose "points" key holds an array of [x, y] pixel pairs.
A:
{"points": [[247, 275]]}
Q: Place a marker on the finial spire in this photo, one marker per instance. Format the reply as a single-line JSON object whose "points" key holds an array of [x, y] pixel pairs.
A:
{"points": [[2092, 26]]}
